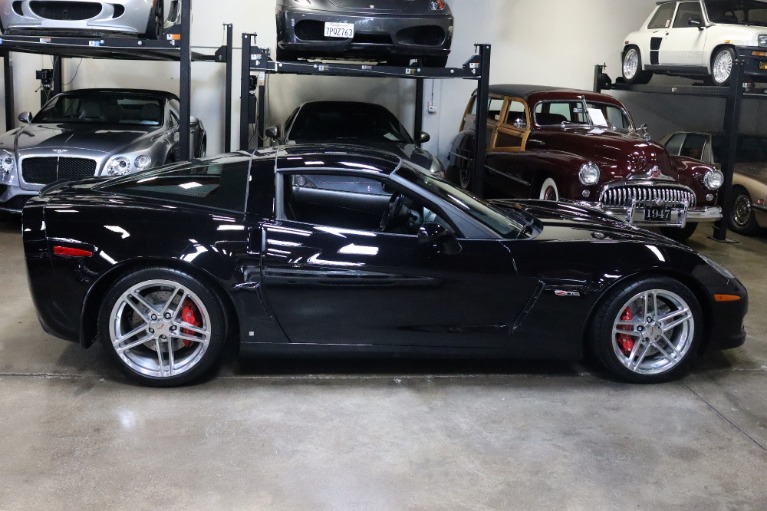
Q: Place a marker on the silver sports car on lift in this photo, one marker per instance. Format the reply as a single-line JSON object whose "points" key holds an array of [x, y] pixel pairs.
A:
{"points": [[142, 18], [394, 31], [91, 132]]}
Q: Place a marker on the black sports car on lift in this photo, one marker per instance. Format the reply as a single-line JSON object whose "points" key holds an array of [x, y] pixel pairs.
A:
{"points": [[272, 251], [352, 122], [395, 31]]}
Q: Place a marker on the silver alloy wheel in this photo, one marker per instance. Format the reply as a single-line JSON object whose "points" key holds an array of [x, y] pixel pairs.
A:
{"points": [[741, 211], [630, 64], [721, 69], [653, 332], [160, 328]]}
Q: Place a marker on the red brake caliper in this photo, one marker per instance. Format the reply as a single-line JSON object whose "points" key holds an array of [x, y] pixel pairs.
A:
{"points": [[625, 341], [189, 315]]}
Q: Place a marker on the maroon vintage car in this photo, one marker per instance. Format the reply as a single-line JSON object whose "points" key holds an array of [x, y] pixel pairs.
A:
{"points": [[552, 143]]}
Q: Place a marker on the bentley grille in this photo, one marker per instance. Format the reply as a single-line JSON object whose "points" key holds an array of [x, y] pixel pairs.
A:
{"points": [[66, 11], [47, 170], [625, 194]]}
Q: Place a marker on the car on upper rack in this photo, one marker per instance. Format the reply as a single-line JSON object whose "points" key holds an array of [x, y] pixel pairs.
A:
{"points": [[95, 18], [394, 31], [552, 143], [694, 39], [357, 123], [746, 211], [330, 249], [91, 132]]}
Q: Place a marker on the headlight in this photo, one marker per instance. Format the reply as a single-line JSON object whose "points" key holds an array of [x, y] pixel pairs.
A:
{"points": [[7, 162], [118, 166], [143, 162], [589, 174], [714, 179], [718, 267], [763, 40]]}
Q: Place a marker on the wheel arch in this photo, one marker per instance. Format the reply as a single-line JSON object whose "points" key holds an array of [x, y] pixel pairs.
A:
{"points": [[95, 296], [693, 285], [715, 49]]}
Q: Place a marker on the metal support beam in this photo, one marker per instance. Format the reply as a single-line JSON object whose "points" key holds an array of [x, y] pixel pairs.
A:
{"points": [[185, 92], [228, 94], [57, 84], [418, 121], [483, 94], [245, 89], [731, 126], [10, 118]]}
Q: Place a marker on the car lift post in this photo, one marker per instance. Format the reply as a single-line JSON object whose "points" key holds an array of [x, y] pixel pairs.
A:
{"points": [[483, 93], [185, 87], [8, 80]]}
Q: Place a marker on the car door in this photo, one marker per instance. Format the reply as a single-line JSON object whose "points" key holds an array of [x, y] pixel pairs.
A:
{"points": [[331, 275], [684, 41]]}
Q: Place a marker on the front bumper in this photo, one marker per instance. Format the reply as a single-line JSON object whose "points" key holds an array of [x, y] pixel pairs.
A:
{"points": [[13, 198], [301, 31], [634, 215]]}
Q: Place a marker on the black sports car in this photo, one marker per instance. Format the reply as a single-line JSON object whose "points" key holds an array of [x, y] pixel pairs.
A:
{"points": [[392, 30], [271, 250], [352, 122]]}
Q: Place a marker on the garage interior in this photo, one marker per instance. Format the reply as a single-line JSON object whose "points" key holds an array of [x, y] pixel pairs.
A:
{"points": [[378, 433]]}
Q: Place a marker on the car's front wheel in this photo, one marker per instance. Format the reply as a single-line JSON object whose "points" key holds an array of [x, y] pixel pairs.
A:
{"points": [[632, 67], [722, 65], [740, 215], [548, 190], [647, 331], [162, 327]]}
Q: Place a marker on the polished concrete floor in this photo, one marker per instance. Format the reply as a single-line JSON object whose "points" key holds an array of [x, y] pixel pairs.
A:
{"points": [[379, 435]]}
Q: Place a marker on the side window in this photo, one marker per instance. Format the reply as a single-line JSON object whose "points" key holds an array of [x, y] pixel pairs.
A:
{"points": [[687, 11], [494, 108], [674, 144], [516, 114], [693, 146], [553, 113], [347, 201], [663, 16]]}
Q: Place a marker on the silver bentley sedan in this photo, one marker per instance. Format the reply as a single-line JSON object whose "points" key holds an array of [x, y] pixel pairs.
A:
{"points": [[91, 132], [142, 18]]}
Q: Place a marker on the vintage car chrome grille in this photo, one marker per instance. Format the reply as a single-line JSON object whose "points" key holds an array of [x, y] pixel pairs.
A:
{"points": [[47, 170], [623, 195], [66, 11]]}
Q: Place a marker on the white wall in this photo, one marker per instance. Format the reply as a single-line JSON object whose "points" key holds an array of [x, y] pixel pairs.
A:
{"points": [[547, 42]]}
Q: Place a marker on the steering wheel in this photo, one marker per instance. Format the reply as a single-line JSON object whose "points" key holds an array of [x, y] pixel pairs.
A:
{"points": [[392, 210]]}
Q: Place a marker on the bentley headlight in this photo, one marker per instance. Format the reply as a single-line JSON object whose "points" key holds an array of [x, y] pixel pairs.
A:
{"points": [[589, 174], [118, 166], [714, 179], [762, 39], [7, 162], [143, 162]]}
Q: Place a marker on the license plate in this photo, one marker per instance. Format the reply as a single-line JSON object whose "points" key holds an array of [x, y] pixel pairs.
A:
{"points": [[657, 213], [339, 30]]}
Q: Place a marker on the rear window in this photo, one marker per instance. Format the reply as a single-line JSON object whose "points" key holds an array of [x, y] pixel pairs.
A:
{"points": [[215, 185]]}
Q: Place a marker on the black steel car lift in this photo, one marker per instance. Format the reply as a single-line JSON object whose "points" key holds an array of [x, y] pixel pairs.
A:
{"points": [[258, 61], [172, 48]]}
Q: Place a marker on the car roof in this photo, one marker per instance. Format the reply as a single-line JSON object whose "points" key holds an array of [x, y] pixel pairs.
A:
{"points": [[533, 93], [321, 156]]}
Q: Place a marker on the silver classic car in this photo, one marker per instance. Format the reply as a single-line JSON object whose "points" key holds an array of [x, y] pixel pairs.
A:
{"points": [[91, 132], [142, 18]]}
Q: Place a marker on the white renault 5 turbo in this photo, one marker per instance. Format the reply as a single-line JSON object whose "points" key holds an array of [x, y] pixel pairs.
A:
{"points": [[694, 38]]}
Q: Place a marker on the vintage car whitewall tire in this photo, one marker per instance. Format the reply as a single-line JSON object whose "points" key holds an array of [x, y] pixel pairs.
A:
{"points": [[549, 190], [647, 331], [162, 327]]}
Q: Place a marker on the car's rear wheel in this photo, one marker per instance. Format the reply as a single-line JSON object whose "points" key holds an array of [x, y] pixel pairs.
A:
{"points": [[632, 67], [722, 65], [548, 190], [162, 327], [740, 216], [679, 234], [647, 331]]}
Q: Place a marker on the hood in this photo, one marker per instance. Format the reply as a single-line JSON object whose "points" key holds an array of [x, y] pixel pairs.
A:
{"points": [[103, 138], [619, 155], [564, 221]]}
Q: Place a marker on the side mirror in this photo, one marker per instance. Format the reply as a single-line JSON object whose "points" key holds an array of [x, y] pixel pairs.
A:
{"points": [[423, 137], [25, 117], [439, 238], [273, 132]]}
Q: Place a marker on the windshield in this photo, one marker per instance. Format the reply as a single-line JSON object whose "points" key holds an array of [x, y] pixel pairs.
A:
{"points": [[103, 109], [550, 113], [505, 225], [350, 122], [739, 12]]}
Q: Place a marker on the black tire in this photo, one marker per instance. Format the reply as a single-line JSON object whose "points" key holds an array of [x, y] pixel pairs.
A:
{"points": [[740, 215], [162, 327], [722, 65], [663, 324], [631, 67], [677, 234]]}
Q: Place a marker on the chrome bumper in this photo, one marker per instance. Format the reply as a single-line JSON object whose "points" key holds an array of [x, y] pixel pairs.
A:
{"points": [[679, 217]]}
